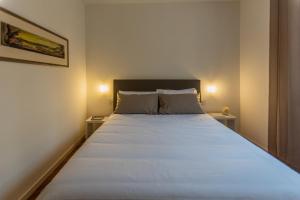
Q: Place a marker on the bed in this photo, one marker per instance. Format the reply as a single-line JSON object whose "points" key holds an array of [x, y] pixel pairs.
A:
{"points": [[166, 157]]}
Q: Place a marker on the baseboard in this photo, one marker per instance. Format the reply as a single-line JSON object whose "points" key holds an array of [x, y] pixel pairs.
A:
{"points": [[49, 172], [254, 142]]}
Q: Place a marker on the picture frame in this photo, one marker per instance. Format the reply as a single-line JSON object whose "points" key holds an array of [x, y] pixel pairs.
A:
{"points": [[24, 41]]}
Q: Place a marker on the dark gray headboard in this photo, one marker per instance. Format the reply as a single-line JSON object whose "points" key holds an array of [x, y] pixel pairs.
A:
{"points": [[152, 85]]}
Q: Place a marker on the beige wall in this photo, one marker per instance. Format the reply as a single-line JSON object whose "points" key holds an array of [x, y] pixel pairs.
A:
{"points": [[167, 40], [42, 108], [255, 16]]}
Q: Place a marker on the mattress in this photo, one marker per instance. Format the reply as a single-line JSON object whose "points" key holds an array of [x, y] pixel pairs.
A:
{"points": [[168, 157]]}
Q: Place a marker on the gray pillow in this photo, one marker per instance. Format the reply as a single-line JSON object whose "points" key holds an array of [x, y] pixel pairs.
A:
{"points": [[179, 104], [137, 104]]}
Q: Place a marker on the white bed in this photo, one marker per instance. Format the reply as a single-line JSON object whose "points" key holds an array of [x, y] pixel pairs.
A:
{"points": [[171, 157]]}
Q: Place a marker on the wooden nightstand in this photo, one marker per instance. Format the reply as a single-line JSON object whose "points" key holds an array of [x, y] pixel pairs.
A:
{"points": [[227, 120], [92, 125]]}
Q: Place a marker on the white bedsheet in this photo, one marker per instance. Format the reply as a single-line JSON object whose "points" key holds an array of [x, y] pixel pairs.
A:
{"points": [[171, 157]]}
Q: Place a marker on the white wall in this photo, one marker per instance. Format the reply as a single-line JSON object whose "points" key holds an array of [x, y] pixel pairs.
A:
{"points": [[42, 108], [164, 40], [255, 17]]}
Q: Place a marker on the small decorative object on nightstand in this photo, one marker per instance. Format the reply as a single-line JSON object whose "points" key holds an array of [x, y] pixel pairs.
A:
{"points": [[226, 111], [92, 123], [227, 120]]}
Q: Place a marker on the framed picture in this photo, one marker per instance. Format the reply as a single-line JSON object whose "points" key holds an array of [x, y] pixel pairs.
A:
{"points": [[25, 41]]}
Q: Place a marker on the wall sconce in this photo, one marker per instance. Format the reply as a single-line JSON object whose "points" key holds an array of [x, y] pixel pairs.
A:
{"points": [[103, 88], [211, 89]]}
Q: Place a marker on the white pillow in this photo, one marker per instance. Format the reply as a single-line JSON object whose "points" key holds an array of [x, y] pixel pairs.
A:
{"points": [[136, 92], [185, 91]]}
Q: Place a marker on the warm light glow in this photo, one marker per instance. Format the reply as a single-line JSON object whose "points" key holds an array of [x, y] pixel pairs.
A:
{"points": [[103, 88], [211, 89]]}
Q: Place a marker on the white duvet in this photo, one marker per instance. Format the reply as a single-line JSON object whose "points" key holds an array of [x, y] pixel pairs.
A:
{"points": [[186, 157]]}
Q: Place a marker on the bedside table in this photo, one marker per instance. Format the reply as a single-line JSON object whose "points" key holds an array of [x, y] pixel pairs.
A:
{"points": [[92, 125], [227, 120]]}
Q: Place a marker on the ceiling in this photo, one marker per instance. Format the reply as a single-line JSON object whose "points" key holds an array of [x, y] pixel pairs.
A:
{"points": [[147, 1]]}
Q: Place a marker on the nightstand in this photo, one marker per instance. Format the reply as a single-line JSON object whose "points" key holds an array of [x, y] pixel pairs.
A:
{"points": [[227, 120], [92, 125]]}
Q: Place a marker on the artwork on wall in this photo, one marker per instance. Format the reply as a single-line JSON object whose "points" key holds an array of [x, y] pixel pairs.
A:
{"points": [[25, 41]]}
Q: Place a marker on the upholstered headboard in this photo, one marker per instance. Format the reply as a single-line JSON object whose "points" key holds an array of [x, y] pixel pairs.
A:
{"points": [[152, 85]]}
